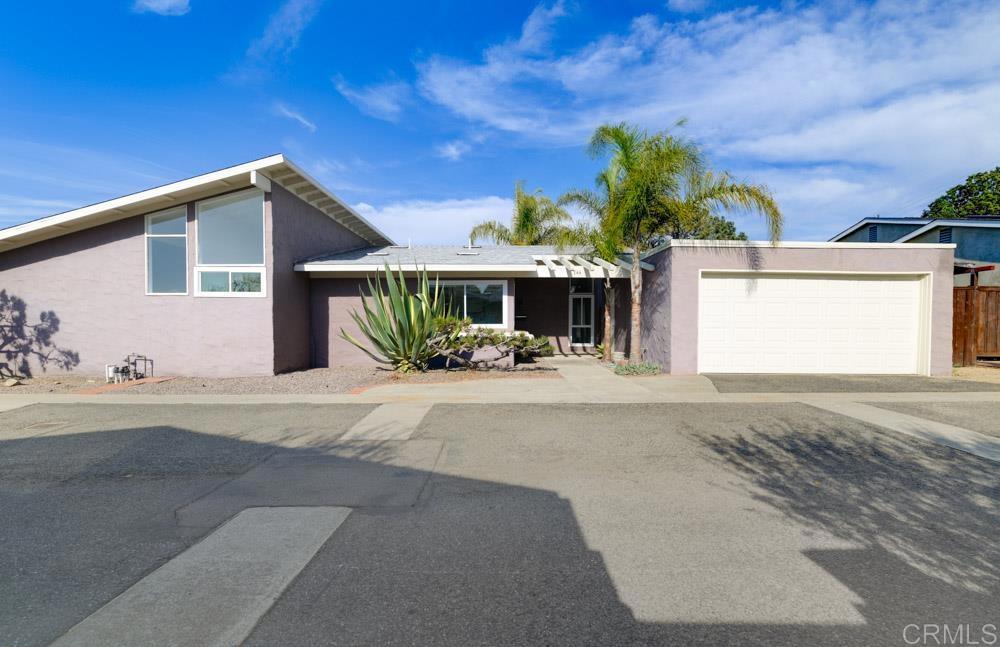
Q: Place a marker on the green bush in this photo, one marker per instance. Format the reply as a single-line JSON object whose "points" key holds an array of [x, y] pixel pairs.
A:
{"points": [[398, 324], [522, 344], [642, 368]]}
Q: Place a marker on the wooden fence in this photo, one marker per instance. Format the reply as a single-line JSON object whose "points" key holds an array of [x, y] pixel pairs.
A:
{"points": [[975, 324]]}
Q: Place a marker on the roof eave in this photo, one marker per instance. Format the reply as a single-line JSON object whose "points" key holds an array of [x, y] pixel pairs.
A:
{"points": [[255, 173]]}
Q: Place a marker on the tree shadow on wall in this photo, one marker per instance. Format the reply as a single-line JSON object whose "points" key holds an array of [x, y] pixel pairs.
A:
{"points": [[23, 344]]}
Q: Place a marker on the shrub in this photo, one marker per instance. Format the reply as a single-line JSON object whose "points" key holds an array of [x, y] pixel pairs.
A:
{"points": [[642, 368], [522, 344], [399, 324]]}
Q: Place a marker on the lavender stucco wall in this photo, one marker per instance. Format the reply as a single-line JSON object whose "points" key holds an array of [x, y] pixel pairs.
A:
{"points": [[656, 323], [681, 265], [333, 300], [300, 231], [542, 308], [94, 280]]}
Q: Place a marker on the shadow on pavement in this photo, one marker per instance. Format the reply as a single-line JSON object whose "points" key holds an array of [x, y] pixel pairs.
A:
{"points": [[477, 562]]}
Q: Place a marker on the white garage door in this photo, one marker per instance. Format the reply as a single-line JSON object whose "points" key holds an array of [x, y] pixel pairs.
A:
{"points": [[786, 323]]}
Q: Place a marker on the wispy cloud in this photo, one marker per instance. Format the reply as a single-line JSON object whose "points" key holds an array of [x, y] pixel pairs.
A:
{"points": [[15, 209], [894, 94], [686, 6], [280, 37], [453, 150], [537, 31], [382, 100], [287, 111], [39, 179], [427, 222], [162, 7]]}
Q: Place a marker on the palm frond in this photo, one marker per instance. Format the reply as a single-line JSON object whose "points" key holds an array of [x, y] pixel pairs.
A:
{"points": [[498, 232]]}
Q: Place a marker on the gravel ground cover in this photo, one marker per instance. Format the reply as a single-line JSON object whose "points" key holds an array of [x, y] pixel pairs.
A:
{"points": [[314, 381], [977, 373]]}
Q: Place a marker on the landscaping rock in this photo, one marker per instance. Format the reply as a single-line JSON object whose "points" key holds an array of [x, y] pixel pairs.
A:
{"points": [[11, 381]]}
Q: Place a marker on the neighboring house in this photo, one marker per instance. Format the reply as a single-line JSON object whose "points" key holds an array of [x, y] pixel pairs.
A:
{"points": [[254, 269], [976, 239]]}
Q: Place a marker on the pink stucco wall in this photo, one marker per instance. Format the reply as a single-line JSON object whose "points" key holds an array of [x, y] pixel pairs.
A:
{"points": [[670, 294], [94, 280], [300, 231], [333, 300]]}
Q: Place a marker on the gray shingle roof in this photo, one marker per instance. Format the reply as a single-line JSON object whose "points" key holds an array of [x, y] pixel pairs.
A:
{"points": [[440, 255]]}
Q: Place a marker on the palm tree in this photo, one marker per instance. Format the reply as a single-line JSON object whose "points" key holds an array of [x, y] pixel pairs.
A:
{"points": [[602, 239], [536, 221], [693, 212], [663, 186]]}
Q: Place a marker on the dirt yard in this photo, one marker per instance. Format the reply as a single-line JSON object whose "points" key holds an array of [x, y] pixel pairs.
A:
{"points": [[313, 381], [977, 373]]}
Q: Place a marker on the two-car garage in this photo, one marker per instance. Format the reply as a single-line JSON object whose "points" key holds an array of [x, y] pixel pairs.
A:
{"points": [[799, 307], [760, 322]]}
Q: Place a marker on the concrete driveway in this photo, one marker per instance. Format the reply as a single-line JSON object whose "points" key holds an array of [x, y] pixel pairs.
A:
{"points": [[780, 383], [563, 524]]}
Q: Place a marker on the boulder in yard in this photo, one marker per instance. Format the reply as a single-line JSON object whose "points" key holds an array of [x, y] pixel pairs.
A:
{"points": [[11, 381]]}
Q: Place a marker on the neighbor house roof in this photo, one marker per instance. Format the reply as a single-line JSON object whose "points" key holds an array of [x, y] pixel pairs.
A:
{"points": [[512, 260], [880, 221], [922, 225], [991, 223], [259, 173]]}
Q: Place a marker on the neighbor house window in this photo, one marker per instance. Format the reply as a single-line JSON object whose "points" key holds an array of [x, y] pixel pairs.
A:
{"points": [[484, 302], [230, 254], [166, 252]]}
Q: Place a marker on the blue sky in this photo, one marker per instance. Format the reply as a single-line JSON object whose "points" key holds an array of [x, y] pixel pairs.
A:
{"points": [[424, 117]]}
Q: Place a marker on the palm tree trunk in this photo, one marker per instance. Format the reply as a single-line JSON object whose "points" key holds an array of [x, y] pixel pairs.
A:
{"points": [[609, 321], [635, 344]]}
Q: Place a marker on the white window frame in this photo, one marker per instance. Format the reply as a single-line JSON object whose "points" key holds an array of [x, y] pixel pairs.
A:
{"points": [[219, 267], [499, 326], [181, 210], [260, 269], [590, 297]]}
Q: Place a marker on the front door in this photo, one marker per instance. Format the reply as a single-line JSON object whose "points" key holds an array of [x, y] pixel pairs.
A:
{"points": [[581, 319]]}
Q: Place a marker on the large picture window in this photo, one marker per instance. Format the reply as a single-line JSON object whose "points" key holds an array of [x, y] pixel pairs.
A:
{"points": [[484, 302], [166, 252], [230, 246]]}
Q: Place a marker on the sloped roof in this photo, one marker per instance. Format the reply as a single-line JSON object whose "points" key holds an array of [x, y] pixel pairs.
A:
{"points": [[260, 173], [513, 260], [990, 223], [922, 225], [438, 255]]}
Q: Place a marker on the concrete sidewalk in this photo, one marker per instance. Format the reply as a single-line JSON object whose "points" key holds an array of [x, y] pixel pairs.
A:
{"points": [[585, 380]]}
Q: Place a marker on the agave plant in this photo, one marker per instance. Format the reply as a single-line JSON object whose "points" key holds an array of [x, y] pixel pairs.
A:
{"points": [[398, 323]]}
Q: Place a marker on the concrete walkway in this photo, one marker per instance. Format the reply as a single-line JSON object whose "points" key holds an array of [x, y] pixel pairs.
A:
{"points": [[959, 438], [581, 380], [214, 593], [391, 421]]}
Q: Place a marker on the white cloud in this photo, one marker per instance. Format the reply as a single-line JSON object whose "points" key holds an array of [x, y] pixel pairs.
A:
{"points": [[686, 6], [453, 150], [895, 94], [382, 100], [293, 114], [428, 222], [536, 33], [39, 179], [15, 209], [281, 35], [162, 7]]}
